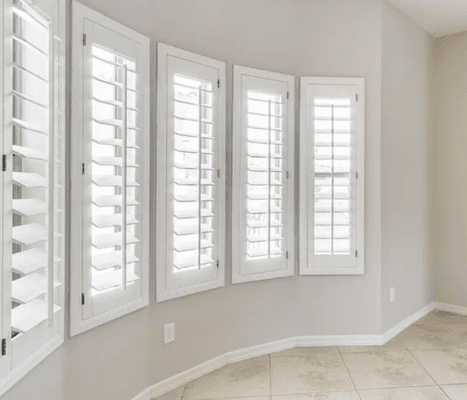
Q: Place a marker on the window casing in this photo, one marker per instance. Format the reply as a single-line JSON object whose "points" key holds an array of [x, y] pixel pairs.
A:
{"points": [[190, 173], [32, 200], [110, 167], [332, 176], [263, 175]]}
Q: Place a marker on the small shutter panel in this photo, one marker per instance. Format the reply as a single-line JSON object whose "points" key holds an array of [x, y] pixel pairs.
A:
{"points": [[263, 190], [333, 196], [193, 183], [333, 119], [33, 177], [113, 171]]}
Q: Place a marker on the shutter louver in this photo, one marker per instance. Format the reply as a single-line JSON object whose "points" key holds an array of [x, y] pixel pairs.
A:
{"points": [[262, 227]]}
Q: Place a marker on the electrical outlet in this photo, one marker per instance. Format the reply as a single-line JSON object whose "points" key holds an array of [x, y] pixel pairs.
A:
{"points": [[392, 294], [169, 333]]}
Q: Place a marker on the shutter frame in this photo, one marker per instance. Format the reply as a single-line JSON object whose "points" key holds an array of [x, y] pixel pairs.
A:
{"points": [[131, 299], [307, 266], [264, 79], [196, 282]]}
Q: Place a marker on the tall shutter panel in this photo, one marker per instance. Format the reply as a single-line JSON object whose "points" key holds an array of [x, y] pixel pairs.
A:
{"points": [[263, 169], [193, 135], [33, 180], [114, 143], [334, 200]]}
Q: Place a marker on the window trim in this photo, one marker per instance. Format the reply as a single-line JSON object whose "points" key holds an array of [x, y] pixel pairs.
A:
{"points": [[77, 324], [163, 51], [12, 376], [306, 159], [239, 72]]}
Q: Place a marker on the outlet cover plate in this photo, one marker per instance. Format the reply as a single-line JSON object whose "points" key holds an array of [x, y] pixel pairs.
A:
{"points": [[169, 333]]}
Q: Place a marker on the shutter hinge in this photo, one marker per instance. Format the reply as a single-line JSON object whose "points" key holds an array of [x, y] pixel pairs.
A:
{"points": [[288, 175], [218, 173], [356, 97], [286, 254], [217, 263], [83, 169], [84, 39], [288, 94], [3, 347], [4, 163], [218, 83], [83, 299], [356, 175], [356, 253]]}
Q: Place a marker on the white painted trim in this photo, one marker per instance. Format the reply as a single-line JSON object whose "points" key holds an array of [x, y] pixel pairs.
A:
{"points": [[393, 332], [450, 308], [19, 373], [198, 371]]}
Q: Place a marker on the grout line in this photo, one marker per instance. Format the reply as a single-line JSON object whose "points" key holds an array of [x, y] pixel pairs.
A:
{"points": [[184, 390], [434, 380], [350, 376], [442, 390], [270, 377]]}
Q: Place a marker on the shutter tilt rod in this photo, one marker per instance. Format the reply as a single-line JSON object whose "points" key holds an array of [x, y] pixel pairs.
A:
{"points": [[51, 179], [269, 179], [199, 175], [124, 172]]}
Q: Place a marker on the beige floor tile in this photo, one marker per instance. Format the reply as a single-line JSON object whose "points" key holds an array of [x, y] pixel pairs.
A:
{"points": [[320, 396], [426, 336], [378, 370], [394, 344], [456, 392], [305, 351], [422, 393], [173, 395], [245, 378], [308, 374], [445, 365]]}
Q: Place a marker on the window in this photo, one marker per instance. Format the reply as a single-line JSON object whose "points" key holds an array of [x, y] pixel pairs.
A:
{"points": [[110, 170], [263, 166], [332, 176], [32, 199], [190, 173]]}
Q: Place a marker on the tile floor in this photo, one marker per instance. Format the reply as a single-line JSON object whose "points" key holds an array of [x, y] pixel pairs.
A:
{"points": [[427, 361]]}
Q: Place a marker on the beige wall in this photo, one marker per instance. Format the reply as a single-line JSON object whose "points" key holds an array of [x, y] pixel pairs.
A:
{"points": [[405, 163], [450, 225], [122, 358], [301, 37]]}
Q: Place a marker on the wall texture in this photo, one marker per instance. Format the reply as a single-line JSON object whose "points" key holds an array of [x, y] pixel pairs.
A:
{"points": [[405, 162], [301, 37], [450, 74]]}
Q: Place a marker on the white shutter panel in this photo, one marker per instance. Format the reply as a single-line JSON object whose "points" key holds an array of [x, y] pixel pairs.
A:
{"points": [[332, 196], [114, 171], [33, 180], [192, 145], [262, 175]]}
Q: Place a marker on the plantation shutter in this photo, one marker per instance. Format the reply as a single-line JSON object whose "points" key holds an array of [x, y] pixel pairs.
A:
{"points": [[263, 167], [114, 172], [334, 200], [33, 178], [194, 187]]}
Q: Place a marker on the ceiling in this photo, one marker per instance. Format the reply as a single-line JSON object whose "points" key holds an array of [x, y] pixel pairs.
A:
{"points": [[437, 17]]}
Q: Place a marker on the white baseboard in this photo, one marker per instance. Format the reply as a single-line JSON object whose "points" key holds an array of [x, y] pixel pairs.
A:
{"points": [[450, 308], [185, 377]]}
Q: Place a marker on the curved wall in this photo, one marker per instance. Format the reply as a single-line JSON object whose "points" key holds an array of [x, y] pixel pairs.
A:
{"points": [[301, 37]]}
